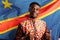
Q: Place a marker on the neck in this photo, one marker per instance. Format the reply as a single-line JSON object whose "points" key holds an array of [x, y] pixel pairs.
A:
{"points": [[33, 17]]}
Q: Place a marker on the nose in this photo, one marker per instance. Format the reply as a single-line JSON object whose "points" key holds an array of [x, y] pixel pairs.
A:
{"points": [[34, 10]]}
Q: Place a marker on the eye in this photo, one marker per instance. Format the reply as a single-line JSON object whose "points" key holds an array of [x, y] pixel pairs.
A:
{"points": [[37, 9], [33, 8]]}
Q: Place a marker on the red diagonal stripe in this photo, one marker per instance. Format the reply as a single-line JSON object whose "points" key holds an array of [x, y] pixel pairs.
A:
{"points": [[9, 24]]}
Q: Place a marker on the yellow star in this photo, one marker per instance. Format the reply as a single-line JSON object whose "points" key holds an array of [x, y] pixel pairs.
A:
{"points": [[6, 4]]}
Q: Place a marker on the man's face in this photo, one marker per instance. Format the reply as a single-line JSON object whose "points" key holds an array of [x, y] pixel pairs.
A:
{"points": [[34, 10]]}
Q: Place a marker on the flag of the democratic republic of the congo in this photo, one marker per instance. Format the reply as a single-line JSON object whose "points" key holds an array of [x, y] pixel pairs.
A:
{"points": [[12, 12]]}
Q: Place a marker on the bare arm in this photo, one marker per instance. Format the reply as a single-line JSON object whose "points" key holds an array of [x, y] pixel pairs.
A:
{"points": [[47, 34], [19, 33]]}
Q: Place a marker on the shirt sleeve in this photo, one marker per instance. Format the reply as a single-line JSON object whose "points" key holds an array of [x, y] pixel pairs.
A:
{"points": [[47, 34], [19, 34]]}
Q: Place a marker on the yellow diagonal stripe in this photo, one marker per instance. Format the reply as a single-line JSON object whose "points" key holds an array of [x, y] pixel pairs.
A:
{"points": [[26, 13], [49, 3], [49, 13], [38, 18]]}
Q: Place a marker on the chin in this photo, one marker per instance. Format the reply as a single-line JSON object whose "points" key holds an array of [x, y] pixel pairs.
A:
{"points": [[34, 17]]}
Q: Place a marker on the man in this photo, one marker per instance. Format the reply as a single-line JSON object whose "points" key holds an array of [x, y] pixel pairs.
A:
{"points": [[32, 28]]}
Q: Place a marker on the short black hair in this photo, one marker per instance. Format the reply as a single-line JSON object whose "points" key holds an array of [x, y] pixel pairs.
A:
{"points": [[34, 3]]}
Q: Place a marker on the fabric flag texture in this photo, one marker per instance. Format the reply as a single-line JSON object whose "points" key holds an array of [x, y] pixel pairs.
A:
{"points": [[12, 12]]}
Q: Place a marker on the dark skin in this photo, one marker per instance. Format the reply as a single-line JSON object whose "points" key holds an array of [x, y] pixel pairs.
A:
{"points": [[34, 11]]}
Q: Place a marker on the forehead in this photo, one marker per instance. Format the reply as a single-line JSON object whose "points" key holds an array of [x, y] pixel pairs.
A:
{"points": [[35, 5]]}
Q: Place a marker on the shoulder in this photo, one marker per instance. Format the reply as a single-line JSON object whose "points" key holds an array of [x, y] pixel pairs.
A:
{"points": [[42, 21], [23, 23]]}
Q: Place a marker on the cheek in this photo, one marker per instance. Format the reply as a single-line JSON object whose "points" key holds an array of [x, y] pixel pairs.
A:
{"points": [[37, 11], [36, 14]]}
